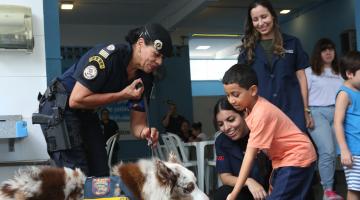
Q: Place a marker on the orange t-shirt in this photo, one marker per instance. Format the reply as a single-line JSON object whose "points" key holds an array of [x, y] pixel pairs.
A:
{"points": [[272, 131]]}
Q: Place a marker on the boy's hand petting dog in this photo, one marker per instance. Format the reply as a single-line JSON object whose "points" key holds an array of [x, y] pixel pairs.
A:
{"points": [[256, 189]]}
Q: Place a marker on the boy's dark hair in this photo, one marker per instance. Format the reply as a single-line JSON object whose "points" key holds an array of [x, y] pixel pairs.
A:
{"points": [[350, 62], [241, 74]]}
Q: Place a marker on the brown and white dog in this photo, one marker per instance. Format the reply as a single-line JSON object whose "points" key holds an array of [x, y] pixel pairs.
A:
{"points": [[44, 183], [146, 179], [158, 180]]}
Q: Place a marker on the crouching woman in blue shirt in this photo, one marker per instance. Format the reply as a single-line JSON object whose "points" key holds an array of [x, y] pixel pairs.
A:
{"points": [[230, 150]]}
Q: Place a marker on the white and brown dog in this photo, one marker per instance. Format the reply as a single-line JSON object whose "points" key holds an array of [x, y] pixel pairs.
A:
{"points": [[146, 179], [158, 180], [44, 183]]}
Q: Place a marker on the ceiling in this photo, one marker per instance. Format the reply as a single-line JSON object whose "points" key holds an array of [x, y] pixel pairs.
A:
{"points": [[181, 17]]}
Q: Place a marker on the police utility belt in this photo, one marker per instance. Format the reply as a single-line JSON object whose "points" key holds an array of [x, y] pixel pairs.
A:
{"points": [[52, 105]]}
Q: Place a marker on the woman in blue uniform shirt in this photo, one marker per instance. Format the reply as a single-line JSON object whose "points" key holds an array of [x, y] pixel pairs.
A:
{"points": [[230, 150], [279, 62], [106, 74]]}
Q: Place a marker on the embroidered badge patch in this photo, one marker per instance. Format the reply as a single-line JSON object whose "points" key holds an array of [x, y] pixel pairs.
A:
{"points": [[99, 60], [90, 72], [220, 158], [158, 45], [103, 53], [100, 186], [111, 47]]}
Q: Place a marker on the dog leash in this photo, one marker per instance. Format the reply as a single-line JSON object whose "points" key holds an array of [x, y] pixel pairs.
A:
{"points": [[146, 106]]}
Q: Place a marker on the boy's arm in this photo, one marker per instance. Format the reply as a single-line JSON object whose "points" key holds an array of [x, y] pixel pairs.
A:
{"points": [[341, 104], [245, 169]]}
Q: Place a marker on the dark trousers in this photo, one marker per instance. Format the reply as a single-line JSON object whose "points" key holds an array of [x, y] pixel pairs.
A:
{"points": [[90, 156], [291, 183], [222, 192]]}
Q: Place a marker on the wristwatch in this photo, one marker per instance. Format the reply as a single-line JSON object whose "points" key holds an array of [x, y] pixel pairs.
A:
{"points": [[307, 110]]}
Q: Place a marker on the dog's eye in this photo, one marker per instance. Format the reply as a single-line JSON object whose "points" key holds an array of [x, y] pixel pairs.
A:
{"points": [[189, 188]]}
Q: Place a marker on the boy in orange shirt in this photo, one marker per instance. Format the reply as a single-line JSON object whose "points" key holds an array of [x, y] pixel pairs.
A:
{"points": [[291, 152]]}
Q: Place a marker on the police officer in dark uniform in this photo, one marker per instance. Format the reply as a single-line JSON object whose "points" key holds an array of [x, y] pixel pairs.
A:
{"points": [[230, 147], [105, 74]]}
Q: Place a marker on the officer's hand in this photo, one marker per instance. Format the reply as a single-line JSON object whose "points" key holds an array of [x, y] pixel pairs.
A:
{"points": [[152, 137], [134, 90]]}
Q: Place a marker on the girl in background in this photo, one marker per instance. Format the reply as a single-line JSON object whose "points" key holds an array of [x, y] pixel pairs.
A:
{"points": [[324, 80]]}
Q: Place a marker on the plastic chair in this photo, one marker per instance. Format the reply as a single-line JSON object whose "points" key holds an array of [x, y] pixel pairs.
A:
{"points": [[110, 144], [161, 151], [174, 144], [208, 165]]}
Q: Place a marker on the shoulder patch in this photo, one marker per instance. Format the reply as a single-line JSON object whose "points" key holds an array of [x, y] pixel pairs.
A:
{"points": [[99, 60], [90, 72], [111, 47], [103, 53]]}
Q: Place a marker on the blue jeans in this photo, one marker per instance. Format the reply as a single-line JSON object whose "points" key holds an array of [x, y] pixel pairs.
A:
{"points": [[324, 137]]}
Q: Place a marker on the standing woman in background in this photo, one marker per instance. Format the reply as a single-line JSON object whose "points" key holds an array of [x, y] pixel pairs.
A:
{"points": [[279, 62], [324, 80]]}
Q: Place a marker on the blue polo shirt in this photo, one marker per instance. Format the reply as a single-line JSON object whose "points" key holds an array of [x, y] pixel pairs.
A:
{"points": [[229, 157], [277, 81]]}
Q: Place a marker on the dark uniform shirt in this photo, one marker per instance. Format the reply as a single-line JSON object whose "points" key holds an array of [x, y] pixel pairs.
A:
{"points": [[229, 157], [278, 82], [103, 70]]}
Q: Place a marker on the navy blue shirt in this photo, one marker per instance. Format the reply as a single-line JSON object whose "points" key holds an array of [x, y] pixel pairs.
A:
{"points": [[103, 70], [230, 155], [277, 81]]}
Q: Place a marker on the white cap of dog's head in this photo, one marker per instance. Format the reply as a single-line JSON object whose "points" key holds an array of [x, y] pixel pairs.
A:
{"points": [[181, 180]]}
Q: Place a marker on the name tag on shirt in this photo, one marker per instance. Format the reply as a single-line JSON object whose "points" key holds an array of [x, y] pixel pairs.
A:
{"points": [[289, 51]]}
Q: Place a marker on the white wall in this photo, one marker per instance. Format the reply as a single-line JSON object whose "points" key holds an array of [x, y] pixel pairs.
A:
{"points": [[22, 76]]}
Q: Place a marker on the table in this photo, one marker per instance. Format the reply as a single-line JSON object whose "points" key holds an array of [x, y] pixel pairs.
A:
{"points": [[200, 155]]}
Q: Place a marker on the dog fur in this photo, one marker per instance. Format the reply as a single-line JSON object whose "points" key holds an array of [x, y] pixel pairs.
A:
{"points": [[159, 180], [44, 183]]}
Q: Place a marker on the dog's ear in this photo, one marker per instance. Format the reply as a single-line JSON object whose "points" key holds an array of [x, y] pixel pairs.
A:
{"points": [[79, 173], [164, 174], [173, 158]]}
